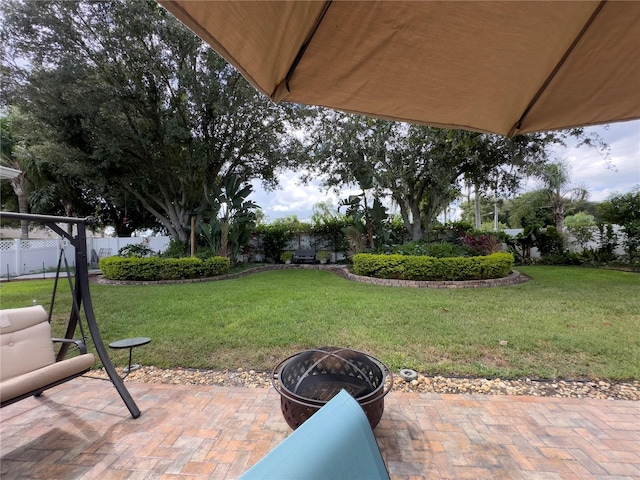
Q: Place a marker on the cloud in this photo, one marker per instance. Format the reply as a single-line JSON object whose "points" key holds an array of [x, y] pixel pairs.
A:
{"points": [[292, 198], [622, 171]]}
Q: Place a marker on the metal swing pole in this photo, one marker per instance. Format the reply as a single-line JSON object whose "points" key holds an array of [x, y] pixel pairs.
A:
{"points": [[82, 293], [55, 284], [82, 280], [74, 316]]}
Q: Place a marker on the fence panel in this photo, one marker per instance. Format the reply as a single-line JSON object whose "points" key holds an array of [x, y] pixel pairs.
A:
{"points": [[22, 257]]}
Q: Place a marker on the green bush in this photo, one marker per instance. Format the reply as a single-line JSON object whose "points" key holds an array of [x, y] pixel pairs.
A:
{"points": [[136, 250], [176, 249], [549, 241], [379, 266], [286, 256], [130, 268], [562, 258], [275, 238], [155, 268], [214, 266], [179, 268], [432, 249], [407, 267]]}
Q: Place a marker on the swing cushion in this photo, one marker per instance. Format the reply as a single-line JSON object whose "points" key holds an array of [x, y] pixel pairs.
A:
{"points": [[27, 358]]}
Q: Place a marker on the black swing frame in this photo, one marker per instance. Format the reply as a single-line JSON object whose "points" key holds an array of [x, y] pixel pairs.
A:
{"points": [[81, 295]]}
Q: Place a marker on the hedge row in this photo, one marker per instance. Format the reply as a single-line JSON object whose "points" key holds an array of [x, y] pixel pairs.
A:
{"points": [[156, 268], [405, 267]]}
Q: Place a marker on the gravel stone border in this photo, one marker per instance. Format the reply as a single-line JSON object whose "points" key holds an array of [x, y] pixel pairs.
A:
{"points": [[598, 389]]}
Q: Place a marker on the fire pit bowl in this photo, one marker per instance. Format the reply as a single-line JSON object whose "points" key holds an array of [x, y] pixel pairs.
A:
{"points": [[307, 380]]}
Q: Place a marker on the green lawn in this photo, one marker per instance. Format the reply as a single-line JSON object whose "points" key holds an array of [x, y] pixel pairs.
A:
{"points": [[565, 323]]}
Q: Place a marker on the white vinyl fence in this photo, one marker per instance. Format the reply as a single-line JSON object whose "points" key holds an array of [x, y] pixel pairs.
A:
{"points": [[21, 257]]}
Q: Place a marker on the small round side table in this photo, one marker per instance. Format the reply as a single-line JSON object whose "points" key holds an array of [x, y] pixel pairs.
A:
{"points": [[130, 343]]}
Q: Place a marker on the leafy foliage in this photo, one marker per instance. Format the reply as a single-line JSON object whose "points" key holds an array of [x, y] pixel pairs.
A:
{"points": [[421, 169], [275, 238], [624, 210], [138, 250], [139, 105], [482, 243], [286, 256], [432, 249], [156, 268], [227, 217], [430, 268], [549, 241], [581, 226]]}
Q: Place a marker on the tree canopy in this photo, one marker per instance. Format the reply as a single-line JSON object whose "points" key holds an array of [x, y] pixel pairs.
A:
{"points": [[422, 169], [143, 108]]}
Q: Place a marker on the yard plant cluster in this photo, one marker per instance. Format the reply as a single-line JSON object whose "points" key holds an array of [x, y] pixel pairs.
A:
{"points": [[411, 267], [157, 268]]}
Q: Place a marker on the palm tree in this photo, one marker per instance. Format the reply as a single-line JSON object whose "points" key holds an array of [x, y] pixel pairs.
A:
{"points": [[14, 155], [555, 177]]}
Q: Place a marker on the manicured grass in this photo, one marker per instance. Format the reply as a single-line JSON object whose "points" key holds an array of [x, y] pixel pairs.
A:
{"points": [[566, 323]]}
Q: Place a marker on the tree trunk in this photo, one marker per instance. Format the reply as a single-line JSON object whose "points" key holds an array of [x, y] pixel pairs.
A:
{"points": [[23, 207], [478, 214], [68, 211], [558, 213], [23, 204]]}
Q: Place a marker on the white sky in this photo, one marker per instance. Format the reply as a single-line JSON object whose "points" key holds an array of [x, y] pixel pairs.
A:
{"points": [[588, 169]]}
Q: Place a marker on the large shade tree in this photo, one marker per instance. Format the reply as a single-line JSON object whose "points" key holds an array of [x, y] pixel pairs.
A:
{"points": [[421, 168], [146, 109]]}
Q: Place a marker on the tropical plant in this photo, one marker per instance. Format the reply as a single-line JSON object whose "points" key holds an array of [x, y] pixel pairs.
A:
{"points": [[286, 257], [323, 255], [557, 189], [482, 243], [227, 218], [370, 220], [522, 243], [607, 242], [581, 226], [624, 210], [275, 238]]}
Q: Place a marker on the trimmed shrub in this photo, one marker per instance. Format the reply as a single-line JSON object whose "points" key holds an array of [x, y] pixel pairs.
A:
{"points": [[179, 268], [432, 249], [130, 268], [379, 266], [155, 268], [404, 267], [215, 266]]}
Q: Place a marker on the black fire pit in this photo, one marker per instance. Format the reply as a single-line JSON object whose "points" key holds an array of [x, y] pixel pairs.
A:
{"points": [[307, 380]]}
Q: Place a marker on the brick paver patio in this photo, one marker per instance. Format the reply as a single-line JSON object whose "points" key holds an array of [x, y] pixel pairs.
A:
{"points": [[82, 430]]}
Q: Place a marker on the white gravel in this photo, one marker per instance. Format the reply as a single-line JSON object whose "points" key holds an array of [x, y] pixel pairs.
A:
{"points": [[423, 384]]}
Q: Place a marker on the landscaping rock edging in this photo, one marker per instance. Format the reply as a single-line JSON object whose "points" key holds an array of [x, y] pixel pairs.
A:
{"points": [[514, 278], [597, 389]]}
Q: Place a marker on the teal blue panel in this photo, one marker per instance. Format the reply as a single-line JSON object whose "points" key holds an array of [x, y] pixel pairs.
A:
{"points": [[335, 443]]}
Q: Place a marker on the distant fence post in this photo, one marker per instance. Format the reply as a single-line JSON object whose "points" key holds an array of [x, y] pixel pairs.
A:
{"points": [[18, 257]]}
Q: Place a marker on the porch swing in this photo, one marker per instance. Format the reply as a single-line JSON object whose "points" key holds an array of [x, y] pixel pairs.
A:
{"points": [[28, 363]]}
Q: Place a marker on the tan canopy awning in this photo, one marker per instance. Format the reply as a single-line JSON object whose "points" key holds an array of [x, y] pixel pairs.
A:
{"points": [[502, 67]]}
